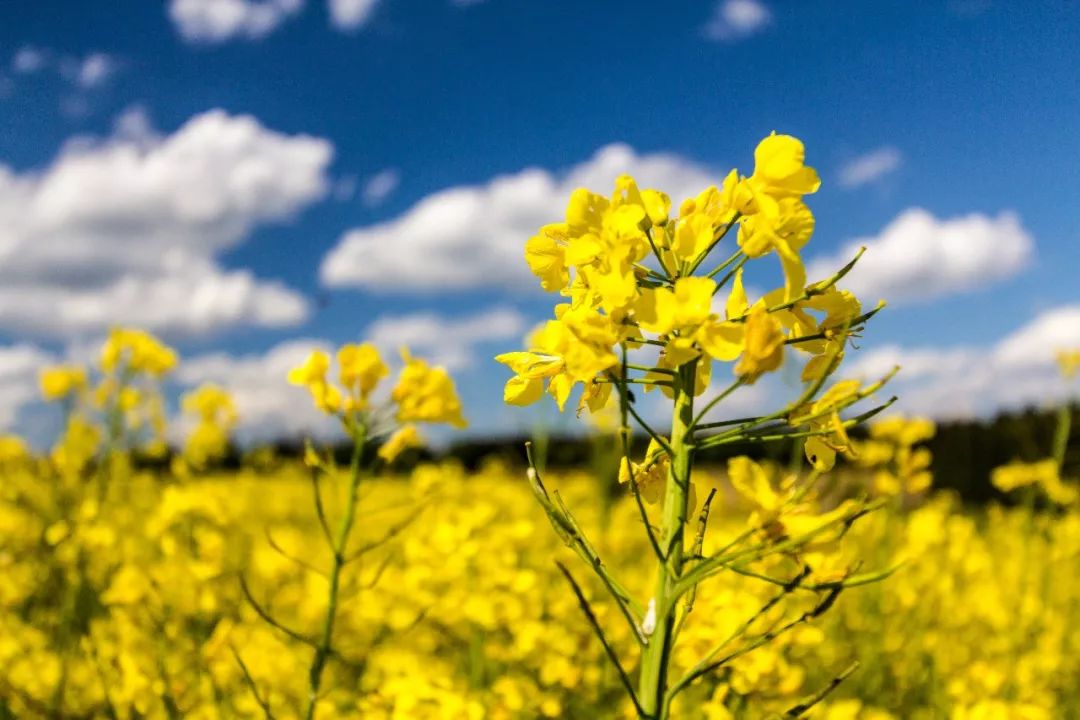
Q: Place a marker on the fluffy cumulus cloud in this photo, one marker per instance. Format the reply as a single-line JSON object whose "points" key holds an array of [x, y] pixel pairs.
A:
{"points": [[19, 368], [468, 237], [965, 381], [869, 167], [128, 230], [737, 19], [351, 14], [918, 257], [448, 342], [216, 21]]}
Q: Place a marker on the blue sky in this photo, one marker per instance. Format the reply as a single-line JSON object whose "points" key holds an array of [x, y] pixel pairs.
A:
{"points": [[965, 109]]}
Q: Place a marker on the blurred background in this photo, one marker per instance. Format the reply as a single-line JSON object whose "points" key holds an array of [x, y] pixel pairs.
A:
{"points": [[249, 178]]}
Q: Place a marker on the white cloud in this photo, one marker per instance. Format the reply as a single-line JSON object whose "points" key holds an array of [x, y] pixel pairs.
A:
{"points": [[968, 381], [919, 257], [29, 59], [216, 21], [128, 230], [380, 186], [269, 408], [1035, 343], [472, 236], [19, 368], [869, 167], [86, 73], [737, 19], [90, 72], [351, 14], [445, 341]]}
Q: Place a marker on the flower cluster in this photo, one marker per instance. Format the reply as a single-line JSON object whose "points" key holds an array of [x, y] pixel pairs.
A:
{"points": [[1043, 475], [216, 417], [628, 268], [120, 404], [896, 451], [422, 394]]}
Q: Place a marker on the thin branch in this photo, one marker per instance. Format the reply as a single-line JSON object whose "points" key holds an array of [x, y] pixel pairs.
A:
{"points": [[734, 421], [729, 274], [789, 433], [656, 370], [299, 561], [636, 381], [652, 433], [624, 434], [567, 528], [320, 510], [370, 584], [818, 288], [704, 666], [659, 257], [800, 709], [270, 619], [713, 244], [711, 565], [264, 704], [739, 382], [389, 535], [829, 334], [591, 616], [699, 544]]}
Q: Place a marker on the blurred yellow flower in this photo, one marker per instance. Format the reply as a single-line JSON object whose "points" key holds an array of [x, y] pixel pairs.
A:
{"points": [[426, 394], [404, 437], [361, 368], [1069, 362], [62, 381], [137, 351]]}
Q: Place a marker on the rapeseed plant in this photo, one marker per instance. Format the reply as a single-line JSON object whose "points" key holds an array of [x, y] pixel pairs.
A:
{"points": [[422, 394], [642, 310]]}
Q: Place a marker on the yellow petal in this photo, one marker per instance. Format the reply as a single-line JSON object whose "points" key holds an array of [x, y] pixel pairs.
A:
{"points": [[722, 341], [522, 390], [820, 454], [737, 303]]}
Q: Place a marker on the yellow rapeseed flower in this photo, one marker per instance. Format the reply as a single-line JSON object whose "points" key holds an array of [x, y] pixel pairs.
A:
{"points": [[136, 351], [404, 437], [426, 394], [764, 345], [361, 368], [62, 381], [1069, 362]]}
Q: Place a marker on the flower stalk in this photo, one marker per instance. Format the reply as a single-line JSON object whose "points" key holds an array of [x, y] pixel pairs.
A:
{"points": [[657, 654], [338, 561]]}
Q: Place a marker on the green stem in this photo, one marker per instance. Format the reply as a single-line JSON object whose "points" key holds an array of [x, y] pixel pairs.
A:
{"points": [[652, 684], [1061, 434], [340, 546]]}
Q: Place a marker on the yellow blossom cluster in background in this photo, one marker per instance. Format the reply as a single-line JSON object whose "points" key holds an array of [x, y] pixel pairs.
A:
{"points": [[468, 618]]}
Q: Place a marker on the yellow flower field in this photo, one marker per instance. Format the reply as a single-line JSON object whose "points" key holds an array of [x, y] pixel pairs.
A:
{"points": [[143, 581], [133, 607]]}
